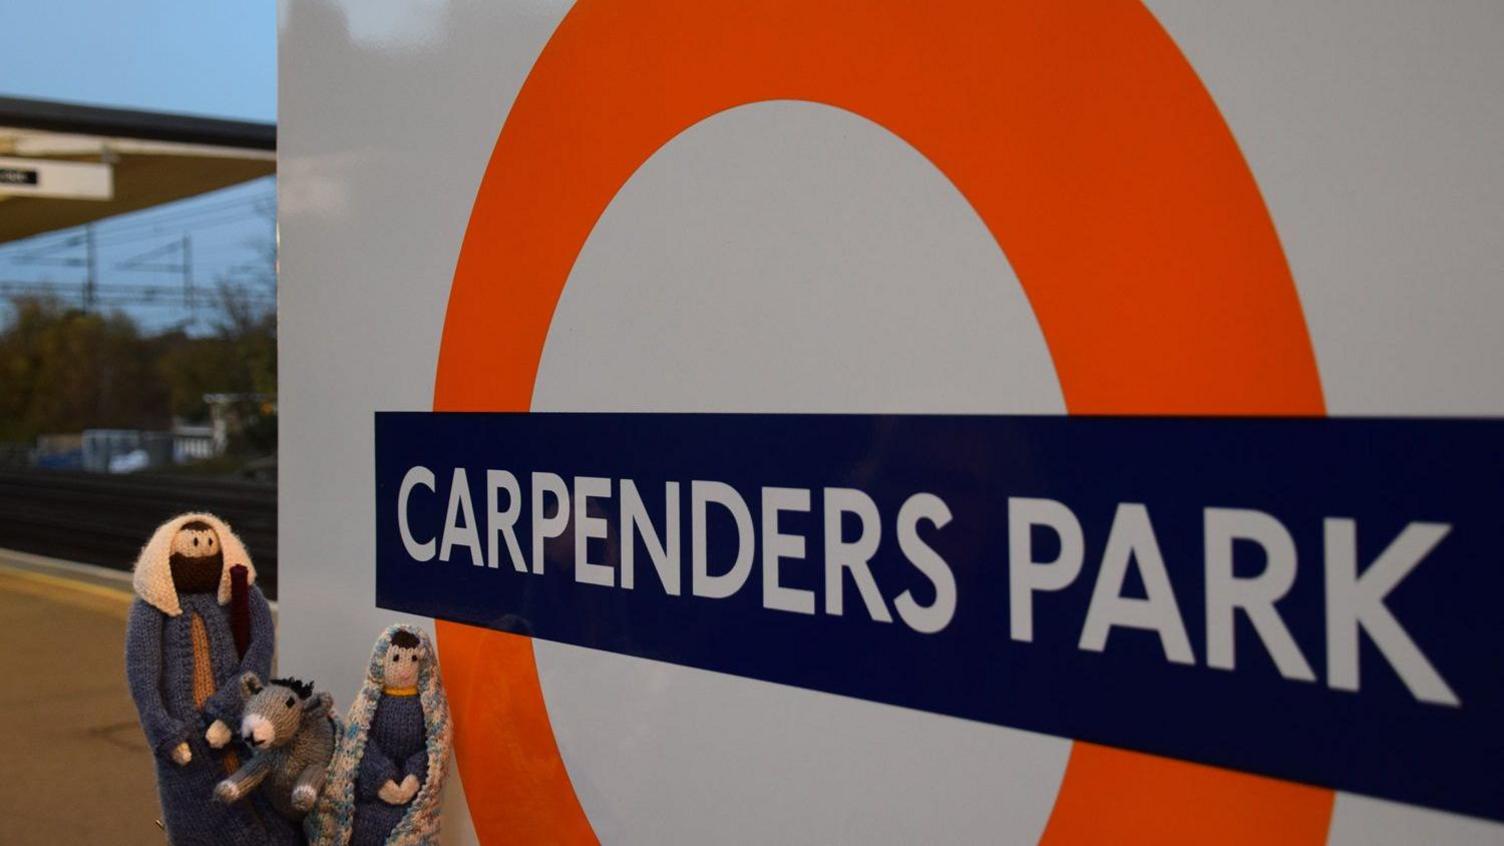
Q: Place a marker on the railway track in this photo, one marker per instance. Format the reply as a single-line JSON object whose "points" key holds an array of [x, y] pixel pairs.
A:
{"points": [[104, 520]]}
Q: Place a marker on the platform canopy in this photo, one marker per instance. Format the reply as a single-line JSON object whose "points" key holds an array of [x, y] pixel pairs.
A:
{"points": [[134, 159]]}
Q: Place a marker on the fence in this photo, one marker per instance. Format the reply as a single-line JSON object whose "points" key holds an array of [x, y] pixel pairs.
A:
{"points": [[101, 519]]}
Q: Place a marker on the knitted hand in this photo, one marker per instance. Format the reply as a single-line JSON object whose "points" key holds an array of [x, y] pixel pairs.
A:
{"points": [[303, 797], [228, 791], [182, 754], [217, 735], [409, 788], [391, 794]]}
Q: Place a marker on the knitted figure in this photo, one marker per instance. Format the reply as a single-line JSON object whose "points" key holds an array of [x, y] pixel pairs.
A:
{"points": [[291, 735], [182, 662], [388, 769]]}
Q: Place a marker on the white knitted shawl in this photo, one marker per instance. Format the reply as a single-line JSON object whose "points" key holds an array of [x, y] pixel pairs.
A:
{"points": [[331, 821], [152, 578]]}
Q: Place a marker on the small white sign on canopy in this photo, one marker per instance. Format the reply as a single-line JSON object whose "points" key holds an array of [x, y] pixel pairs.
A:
{"points": [[60, 180]]}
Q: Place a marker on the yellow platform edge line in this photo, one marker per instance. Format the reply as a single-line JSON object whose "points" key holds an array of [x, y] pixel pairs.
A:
{"points": [[63, 583]]}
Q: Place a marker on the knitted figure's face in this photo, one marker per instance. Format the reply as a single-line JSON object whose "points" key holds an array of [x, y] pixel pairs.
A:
{"points": [[197, 559], [400, 669], [273, 711]]}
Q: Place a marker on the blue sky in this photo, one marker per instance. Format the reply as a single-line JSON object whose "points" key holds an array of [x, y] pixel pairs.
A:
{"points": [[208, 57]]}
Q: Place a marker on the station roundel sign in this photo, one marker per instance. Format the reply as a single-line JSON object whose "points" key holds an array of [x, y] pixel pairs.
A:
{"points": [[1089, 148]]}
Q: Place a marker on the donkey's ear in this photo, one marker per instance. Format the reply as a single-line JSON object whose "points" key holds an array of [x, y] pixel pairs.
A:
{"points": [[250, 685], [318, 705]]}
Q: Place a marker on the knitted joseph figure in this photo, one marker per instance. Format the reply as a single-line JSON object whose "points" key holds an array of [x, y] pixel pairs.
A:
{"points": [[183, 665], [388, 769]]}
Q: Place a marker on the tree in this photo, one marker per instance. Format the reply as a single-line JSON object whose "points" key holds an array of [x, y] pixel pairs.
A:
{"points": [[63, 369]]}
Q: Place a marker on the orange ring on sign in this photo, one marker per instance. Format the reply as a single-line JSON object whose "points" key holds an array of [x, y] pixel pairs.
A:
{"points": [[1089, 148]]}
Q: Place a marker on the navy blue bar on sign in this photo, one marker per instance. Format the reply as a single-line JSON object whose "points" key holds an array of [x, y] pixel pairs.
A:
{"points": [[1311, 599]]}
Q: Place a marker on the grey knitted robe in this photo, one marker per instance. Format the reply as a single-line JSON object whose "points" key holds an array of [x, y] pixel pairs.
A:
{"points": [[160, 663], [396, 747], [160, 667]]}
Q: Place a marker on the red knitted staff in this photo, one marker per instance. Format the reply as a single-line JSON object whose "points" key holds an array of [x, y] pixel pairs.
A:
{"points": [[240, 609]]}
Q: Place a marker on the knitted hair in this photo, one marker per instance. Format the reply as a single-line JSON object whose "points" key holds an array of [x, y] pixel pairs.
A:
{"points": [[153, 574], [331, 822]]}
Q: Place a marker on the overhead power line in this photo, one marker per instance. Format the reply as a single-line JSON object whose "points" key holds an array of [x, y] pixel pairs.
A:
{"points": [[124, 294], [174, 218], [143, 228]]}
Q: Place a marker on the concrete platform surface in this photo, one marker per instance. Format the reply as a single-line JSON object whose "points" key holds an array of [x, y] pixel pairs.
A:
{"points": [[80, 768]]}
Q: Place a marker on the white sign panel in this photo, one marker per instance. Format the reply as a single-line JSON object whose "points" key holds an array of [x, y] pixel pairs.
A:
{"points": [[58, 180], [737, 226]]}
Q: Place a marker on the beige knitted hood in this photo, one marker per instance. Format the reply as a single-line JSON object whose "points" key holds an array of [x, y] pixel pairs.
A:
{"points": [[153, 574]]}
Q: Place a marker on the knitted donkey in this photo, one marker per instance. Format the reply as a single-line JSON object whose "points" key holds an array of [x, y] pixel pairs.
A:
{"points": [[291, 734]]}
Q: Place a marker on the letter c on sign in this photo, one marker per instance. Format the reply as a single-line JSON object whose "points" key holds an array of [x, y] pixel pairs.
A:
{"points": [[418, 475]]}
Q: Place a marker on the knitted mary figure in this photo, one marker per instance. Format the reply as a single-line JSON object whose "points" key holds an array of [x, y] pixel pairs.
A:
{"points": [[388, 769]]}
